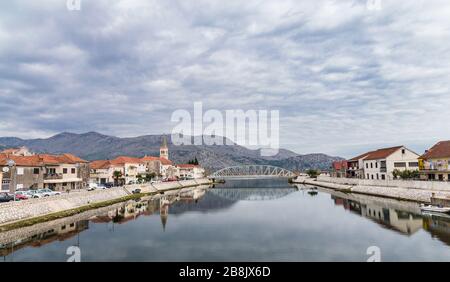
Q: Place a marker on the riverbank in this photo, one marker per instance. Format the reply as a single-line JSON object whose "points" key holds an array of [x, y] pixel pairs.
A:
{"points": [[26, 213], [400, 190]]}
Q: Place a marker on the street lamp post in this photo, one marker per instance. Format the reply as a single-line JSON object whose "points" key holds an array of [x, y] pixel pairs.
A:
{"points": [[12, 169]]}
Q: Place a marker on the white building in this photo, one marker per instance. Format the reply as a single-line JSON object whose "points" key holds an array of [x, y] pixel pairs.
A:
{"points": [[190, 171], [380, 164]]}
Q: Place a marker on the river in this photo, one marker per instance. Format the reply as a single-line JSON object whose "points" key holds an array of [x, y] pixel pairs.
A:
{"points": [[241, 220]]}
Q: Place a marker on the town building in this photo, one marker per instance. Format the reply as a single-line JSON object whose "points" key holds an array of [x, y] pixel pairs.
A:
{"points": [[190, 171], [37, 171], [339, 169], [132, 169], [380, 164], [22, 151], [435, 163], [356, 166]]}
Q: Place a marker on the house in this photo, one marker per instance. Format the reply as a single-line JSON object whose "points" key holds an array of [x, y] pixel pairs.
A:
{"points": [[22, 151], [130, 168], [57, 172], [435, 163], [101, 172], [356, 166], [380, 164], [190, 171], [339, 169]]}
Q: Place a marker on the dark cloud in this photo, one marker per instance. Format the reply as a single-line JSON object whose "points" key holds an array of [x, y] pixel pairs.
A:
{"points": [[343, 76]]}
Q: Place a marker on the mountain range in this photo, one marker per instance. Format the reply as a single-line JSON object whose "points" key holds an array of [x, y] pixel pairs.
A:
{"points": [[94, 146]]}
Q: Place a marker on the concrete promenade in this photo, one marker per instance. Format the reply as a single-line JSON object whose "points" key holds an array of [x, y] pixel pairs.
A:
{"points": [[18, 211], [418, 191]]}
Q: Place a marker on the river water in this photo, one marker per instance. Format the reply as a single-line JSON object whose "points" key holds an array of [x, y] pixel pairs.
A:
{"points": [[245, 220]]}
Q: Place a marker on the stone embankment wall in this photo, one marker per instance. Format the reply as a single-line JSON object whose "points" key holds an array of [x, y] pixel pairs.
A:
{"points": [[418, 191], [16, 211], [409, 184]]}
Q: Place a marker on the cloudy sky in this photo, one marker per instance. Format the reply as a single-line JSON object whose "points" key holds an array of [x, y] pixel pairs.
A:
{"points": [[346, 75]]}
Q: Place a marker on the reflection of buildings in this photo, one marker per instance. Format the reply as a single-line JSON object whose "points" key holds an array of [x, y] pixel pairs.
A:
{"points": [[404, 222], [439, 227], [60, 233]]}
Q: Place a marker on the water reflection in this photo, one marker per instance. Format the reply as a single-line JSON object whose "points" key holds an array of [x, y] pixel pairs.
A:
{"points": [[233, 202], [402, 217]]}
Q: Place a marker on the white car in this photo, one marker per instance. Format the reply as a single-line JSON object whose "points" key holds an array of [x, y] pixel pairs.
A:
{"points": [[92, 186], [101, 187], [45, 193]]}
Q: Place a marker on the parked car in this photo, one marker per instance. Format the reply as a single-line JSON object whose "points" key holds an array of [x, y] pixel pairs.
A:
{"points": [[92, 186], [22, 195], [137, 191], [109, 185], [101, 187], [5, 197], [45, 193]]}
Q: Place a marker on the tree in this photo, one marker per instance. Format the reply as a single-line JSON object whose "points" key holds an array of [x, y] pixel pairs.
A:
{"points": [[313, 173], [117, 174], [405, 174], [150, 176]]}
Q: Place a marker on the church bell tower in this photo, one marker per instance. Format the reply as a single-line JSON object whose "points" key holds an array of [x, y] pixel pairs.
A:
{"points": [[164, 149]]}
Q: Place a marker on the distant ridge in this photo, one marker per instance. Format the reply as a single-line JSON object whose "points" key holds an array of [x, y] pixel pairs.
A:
{"points": [[93, 146]]}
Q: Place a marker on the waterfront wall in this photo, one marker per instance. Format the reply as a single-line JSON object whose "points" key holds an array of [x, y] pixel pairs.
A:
{"points": [[422, 185], [395, 192], [16, 211]]}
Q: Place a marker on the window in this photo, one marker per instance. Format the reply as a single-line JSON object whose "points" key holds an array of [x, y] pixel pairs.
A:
{"points": [[35, 170], [65, 184], [383, 177], [413, 164], [371, 166], [403, 151], [399, 164], [367, 165], [368, 176], [65, 170], [20, 171], [376, 165], [372, 176], [73, 171], [378, 177]]}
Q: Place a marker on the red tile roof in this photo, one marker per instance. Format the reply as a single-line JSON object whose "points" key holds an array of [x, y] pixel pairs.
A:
{"points": [[40, 160], [359, 157], [125, 160], [187, 166], [165, 161], [382, 153], [149, 159], [440, 150], [100, 164]]}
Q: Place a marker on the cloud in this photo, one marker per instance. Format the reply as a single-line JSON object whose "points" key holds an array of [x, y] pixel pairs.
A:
{"points": [[344, 77]]}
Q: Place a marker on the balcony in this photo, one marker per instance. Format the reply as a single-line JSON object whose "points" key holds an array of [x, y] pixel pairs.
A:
{"points": [[53, 176]]}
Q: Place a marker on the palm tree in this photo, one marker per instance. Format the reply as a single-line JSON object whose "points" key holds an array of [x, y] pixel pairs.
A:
{"points": [[117, 174]]}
